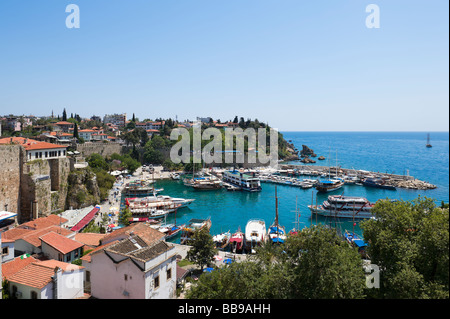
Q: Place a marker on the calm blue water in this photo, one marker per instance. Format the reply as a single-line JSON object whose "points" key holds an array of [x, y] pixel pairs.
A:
{"points": [[384, 152]]}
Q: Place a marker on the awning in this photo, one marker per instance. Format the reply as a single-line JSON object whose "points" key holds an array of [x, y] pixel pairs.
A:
{"points": [[360, 243], [86, 219]]}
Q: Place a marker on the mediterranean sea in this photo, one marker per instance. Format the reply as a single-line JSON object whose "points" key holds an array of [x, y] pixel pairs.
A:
{"points": [[392, 152]]}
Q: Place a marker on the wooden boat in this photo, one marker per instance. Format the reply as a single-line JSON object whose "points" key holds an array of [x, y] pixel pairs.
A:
{"points": [[237, 241], [222, 240], [276, 233], [329, 185], [191, 227]]}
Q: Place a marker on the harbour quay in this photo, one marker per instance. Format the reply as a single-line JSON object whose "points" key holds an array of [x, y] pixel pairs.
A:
{"points": [[357, 176]]}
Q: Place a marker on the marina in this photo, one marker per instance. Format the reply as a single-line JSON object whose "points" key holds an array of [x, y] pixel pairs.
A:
{"points": [[230, 209]]}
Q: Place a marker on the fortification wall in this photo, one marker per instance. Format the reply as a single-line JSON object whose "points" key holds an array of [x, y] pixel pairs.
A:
{"points": [[104, 149], [10, 170]]}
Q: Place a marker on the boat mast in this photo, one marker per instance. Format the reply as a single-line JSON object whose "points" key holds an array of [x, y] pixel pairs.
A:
{"points": [[276, 207]]}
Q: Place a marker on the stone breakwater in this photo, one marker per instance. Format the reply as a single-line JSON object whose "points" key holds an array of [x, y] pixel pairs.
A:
{"points": [[399, 181]]}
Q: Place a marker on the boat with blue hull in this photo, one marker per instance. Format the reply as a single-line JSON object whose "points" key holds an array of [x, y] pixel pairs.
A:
{"points": [[377, 183]]}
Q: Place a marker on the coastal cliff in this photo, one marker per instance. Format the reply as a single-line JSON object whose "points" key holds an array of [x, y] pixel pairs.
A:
{"points": [[83, 188]]}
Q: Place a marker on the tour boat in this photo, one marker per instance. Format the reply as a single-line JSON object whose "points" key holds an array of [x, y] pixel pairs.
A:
{"points": [[344, 207], [160, 198], [204, 183], [246, 182]]}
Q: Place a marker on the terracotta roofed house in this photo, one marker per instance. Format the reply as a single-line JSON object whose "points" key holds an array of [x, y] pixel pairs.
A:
{"points": [[50, 279], [37, 149], [59, 247]]}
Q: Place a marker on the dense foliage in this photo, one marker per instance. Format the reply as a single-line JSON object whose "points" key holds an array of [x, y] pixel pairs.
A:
{"points": [[314, 264], [409, 241]]}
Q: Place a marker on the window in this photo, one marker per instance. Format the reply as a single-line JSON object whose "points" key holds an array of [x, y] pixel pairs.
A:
{"points": [[59, 153], [169, 274], [125, 277], [46, 154], [33, 295], [156, 282], [5, 251]]}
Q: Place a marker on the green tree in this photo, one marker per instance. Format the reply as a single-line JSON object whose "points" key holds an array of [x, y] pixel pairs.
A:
{"points": [[317, 263], [409, 241], [124, 217], [324, 266], [64, 115], [75, 131], [96, 161], [203, 248]]}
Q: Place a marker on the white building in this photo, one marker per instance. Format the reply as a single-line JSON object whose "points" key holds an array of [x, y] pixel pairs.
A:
{"points": [[115, 119], [37, 149], [86, 134], [134, 269]]}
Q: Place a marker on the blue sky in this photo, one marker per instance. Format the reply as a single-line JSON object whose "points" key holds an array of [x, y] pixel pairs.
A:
{"points": [[298, 65]]}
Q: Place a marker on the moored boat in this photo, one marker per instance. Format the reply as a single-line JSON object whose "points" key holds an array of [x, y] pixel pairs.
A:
{"points": [[276, 233], [237, 241], [377, 183], [222, 240], [246, 181], [191, 227], [344, 207], [204, 183], [254, 233], [329, 185]]}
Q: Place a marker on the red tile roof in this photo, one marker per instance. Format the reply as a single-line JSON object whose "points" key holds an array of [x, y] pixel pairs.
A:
{"points": [[33, 275], [29, 144], [38, 274], [90, 239], [148, 234], [34, 237], [43, 222], [60, 243], [11, 267], [87, 257]]}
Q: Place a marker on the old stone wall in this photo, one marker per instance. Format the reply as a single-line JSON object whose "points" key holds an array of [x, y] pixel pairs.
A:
{"points": [[104, 149], [10, 168], [31, 189]]}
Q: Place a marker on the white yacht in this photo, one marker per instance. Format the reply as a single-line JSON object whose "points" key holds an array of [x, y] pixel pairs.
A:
{"points": [[254, 233], [344, 207]]}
